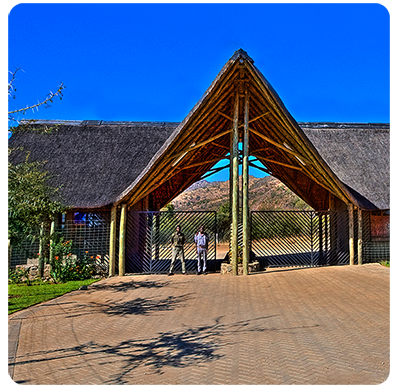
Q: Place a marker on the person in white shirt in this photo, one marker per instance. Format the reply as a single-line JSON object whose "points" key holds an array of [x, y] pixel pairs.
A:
{"points": [[201, 240]]}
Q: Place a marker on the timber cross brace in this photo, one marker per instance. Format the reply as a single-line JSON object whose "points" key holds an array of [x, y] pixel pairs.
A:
{"points": [[240, 107]]}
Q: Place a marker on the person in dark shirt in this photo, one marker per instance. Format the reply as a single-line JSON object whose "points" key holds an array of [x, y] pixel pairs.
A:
{"points": [[177, 241]]}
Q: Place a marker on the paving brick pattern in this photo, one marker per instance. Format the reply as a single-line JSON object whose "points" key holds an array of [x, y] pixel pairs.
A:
{"points": [[301, 326]]}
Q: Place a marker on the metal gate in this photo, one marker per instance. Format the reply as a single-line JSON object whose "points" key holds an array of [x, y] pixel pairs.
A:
{"points": [[300, 238], [148, 243]]}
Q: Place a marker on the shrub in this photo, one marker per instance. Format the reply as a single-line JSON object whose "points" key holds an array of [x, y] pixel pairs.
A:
{"points": [[66, 267], [15, 275]]}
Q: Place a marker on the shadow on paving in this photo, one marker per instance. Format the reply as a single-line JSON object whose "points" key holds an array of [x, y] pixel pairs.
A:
{"points": [[179, 349], [145, 306], [128, 285], [138, 306]]}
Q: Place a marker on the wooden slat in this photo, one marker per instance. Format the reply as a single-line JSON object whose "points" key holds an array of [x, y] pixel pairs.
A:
{"points": [[280, 146], [191, 148], [277, 162]]}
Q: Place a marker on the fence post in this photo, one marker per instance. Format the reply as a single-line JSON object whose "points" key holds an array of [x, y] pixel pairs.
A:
{"points": [[41, 251], [312, 240], [113, 240], [360, 237], [52, 231], [122, 240], [320, 237], [351, 233]]}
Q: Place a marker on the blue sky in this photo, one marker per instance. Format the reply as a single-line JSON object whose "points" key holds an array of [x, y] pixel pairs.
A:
{"points": [[153, 62]]}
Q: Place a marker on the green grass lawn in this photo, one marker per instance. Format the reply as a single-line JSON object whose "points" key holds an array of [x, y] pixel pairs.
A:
{"points": [[21, 296]]}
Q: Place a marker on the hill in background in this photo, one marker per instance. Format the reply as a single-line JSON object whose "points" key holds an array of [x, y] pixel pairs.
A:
{"points": [[266, 193]]}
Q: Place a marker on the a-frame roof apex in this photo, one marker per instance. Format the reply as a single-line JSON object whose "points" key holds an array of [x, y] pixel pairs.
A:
{"points": [[182, 136]]}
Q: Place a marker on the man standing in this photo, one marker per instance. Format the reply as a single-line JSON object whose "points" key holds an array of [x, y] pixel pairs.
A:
{"points": [[177, 241], [201, 240]]}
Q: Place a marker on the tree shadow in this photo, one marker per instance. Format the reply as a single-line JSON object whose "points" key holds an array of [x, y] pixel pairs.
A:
{"points": [[128, 285], [145, 306], [179, 349]]}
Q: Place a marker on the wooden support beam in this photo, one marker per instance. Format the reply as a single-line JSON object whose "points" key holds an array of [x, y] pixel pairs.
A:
{"points": [[260, 168], [276, 162], [276, 144], [113, 240], [198, 145], [261, 149], [245, 196], [226, 116], [214, 171], [122, 240], [202, 163], [221, 146], [255, 118], [351, 232], [360, 237], [235, 186]]}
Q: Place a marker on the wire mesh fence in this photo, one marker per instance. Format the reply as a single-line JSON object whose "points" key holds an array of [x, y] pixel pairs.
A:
{"points": [[300, 238], [278, 238], [90, 237], [148, 245]]}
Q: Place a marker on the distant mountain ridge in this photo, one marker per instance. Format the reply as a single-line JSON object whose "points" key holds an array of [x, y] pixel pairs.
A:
{"points": [[266, 193]]}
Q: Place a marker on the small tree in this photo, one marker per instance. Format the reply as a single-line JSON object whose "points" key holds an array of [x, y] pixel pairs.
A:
{"points": [[31, 201], [224, 221], [45, 102]]}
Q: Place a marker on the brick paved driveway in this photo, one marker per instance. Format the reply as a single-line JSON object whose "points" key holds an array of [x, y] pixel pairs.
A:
{"points": [[304, 326]]}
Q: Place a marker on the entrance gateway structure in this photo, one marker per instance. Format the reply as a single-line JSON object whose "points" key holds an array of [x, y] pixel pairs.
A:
{"points": [[109, 169]]}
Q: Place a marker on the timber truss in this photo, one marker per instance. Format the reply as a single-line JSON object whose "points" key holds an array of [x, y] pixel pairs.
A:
{"points": [[240, 106]]}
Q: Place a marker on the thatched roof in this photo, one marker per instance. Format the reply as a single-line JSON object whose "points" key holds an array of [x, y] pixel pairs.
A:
{"points": [[102, 163], [359, 156], [93, 161]]}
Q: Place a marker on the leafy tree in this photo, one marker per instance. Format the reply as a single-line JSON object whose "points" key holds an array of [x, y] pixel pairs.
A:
{"points": [[224, 221], [31, 201]]}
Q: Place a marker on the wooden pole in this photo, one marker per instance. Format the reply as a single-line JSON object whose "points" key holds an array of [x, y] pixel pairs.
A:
{"points": [[113, 241], [351, 232], [320, 237], [333, 235], [122, 240], [235, 186], [246, 214], [52, 232], [41, 252], [360, 237]]}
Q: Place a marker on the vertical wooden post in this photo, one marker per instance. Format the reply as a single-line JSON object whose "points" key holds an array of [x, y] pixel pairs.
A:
{"points": [[360, 237], [122, 240], [235, 185], [52, 232], [245, 196], [320, 238], [333, 232], [9, 253], [113, 241], [41, 252], [351, 233]]}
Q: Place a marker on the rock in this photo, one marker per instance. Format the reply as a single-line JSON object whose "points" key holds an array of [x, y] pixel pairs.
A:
{"points": [[226, 268], [83, 288]]}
